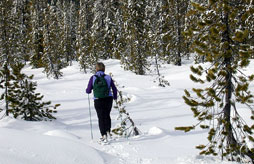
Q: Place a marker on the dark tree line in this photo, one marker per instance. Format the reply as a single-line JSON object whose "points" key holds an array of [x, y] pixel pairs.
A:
{"points": [[52, 34]]}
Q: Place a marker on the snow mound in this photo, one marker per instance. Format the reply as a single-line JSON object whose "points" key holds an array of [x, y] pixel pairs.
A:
{"points": [[60, 133], [155, 131], [28, 148]]}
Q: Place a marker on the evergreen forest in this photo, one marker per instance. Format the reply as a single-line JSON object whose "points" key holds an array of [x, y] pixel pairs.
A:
{"points": [[53, 34]]}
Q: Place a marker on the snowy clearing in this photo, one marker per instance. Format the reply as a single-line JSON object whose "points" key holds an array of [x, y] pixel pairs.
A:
{"points": [[155, 110]]}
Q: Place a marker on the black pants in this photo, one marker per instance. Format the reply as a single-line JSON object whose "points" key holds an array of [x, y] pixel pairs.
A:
{"points": [[103, 108]]}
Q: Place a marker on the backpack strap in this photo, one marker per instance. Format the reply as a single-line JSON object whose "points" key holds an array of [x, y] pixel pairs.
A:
{"points": [[97, 77], [101, 75]]}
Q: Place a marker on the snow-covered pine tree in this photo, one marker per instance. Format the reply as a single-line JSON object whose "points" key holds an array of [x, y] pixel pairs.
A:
{"points": [[9, 47], [24, 102], [135, 36], [12, 43], [127, 127], [190, 25], [165, 23], [223, 39], [23, 24], [71, 32], [36, 8], [103, 29], [248, 22], [61, 14], [153, 12], [5, 84], [117, 29], [98, 29], [174, 23], [66, 15], [84, 41], [111, 29], [52, 58]]}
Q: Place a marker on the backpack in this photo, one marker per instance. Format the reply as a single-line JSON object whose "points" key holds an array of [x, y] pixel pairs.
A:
{"points": [[100, 87]]}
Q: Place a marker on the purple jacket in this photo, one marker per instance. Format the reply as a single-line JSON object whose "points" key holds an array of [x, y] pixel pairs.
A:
{"points": [[110, 83]]}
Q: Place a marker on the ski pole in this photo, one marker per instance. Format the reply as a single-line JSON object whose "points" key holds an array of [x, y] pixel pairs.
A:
{"points": [[91, 126]]}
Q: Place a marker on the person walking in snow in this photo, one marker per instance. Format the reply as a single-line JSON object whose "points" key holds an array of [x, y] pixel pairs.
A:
{"points": [[101, 84]]}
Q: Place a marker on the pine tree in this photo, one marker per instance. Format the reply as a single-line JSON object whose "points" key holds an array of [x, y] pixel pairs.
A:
{"points": [[223, 41], [190, 25], [19, 23], [98, 28], [24, 102], [18, 96], [36, 8], [173, 25], [127, 127], [72, 32], [52, 53], [61, 16], [5, 84], [84, 41], [136, 52], [112, 28], [103, 28], [9, 46], [153, 12], [166, 27]]}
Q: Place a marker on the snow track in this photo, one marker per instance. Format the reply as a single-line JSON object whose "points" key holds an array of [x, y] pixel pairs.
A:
{"points": [[125, 151]]}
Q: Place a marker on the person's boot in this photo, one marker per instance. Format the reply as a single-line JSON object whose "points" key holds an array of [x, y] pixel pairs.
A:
{"points": [[104, 139], [109, 135]]}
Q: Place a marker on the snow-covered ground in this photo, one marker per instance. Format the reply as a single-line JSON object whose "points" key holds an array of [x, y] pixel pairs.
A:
{"points": [[155, 110]]}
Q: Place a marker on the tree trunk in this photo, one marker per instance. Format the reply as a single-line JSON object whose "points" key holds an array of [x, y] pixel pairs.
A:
{"points": [[227, 109], [227, 61], [178, 61], [6, 70], [140, 63], [6, 87], [231, 140]]}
